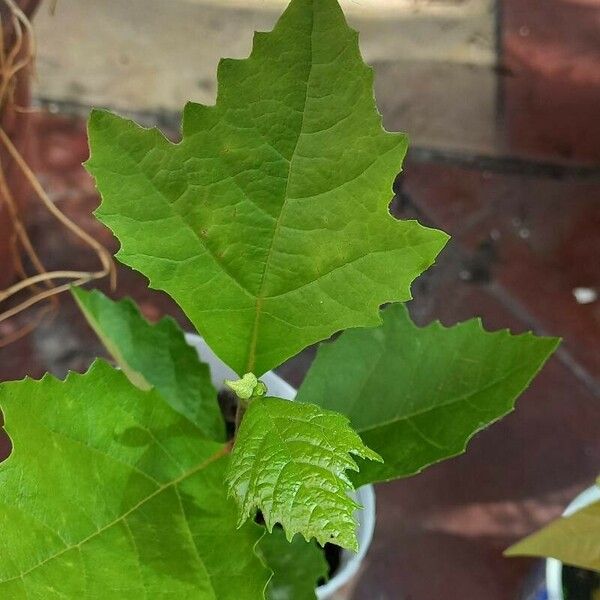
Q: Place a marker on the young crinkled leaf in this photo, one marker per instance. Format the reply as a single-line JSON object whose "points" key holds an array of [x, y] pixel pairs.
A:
{"points": [[297, 566], [268, 223], [290, 462], [109, 493], [417, 395], [574, 539], [155, 355]]}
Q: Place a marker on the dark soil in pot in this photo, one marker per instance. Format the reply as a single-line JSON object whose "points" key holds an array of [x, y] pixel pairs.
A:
{"points": [[228, 405], [579, 584], [333, 556]]}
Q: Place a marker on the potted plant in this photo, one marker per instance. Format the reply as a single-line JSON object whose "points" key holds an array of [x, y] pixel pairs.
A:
{"points": [[572, 544], [269, 225]]}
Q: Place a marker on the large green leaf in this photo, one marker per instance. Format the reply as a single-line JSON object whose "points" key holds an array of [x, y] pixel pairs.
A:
{"points": [[290, 462], [155, 356], [417, 395], [575, 540], [109, 493], [297, 566], [268, 223]]}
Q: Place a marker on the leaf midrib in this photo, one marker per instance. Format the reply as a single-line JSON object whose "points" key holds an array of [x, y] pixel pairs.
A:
{"points": [[461, 398], [191, 472], [251, 360]]}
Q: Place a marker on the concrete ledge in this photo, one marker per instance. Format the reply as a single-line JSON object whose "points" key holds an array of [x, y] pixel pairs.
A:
{"points": [[154, 55]]}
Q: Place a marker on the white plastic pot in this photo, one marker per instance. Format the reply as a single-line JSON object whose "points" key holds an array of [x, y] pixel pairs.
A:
{"points": [[554, 568], [337, 586]]}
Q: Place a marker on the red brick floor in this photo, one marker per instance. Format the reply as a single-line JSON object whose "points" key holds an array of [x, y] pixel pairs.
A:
{"points": [[550, 54], [534, 240], [521, 245]]}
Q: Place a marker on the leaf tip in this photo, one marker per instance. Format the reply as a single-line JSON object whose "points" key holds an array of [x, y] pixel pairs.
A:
{"points": [[98, 120], [514, 550], [96, 116]]}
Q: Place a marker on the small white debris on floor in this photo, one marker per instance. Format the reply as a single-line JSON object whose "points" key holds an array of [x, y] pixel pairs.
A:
{"points": [[585, 295]]}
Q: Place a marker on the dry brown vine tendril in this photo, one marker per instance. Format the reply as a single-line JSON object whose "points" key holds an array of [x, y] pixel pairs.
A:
{"points": [[19, 56]]}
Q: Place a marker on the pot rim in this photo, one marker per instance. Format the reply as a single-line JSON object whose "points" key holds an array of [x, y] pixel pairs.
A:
{"points": [[350, 561], [554, 567]]}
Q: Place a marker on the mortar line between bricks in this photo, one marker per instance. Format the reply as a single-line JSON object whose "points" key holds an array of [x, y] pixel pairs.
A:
{"points": [[579, 371]]}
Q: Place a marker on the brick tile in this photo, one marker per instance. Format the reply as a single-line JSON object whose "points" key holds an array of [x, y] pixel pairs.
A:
{"points": [[534, 240], [551, 51]]}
